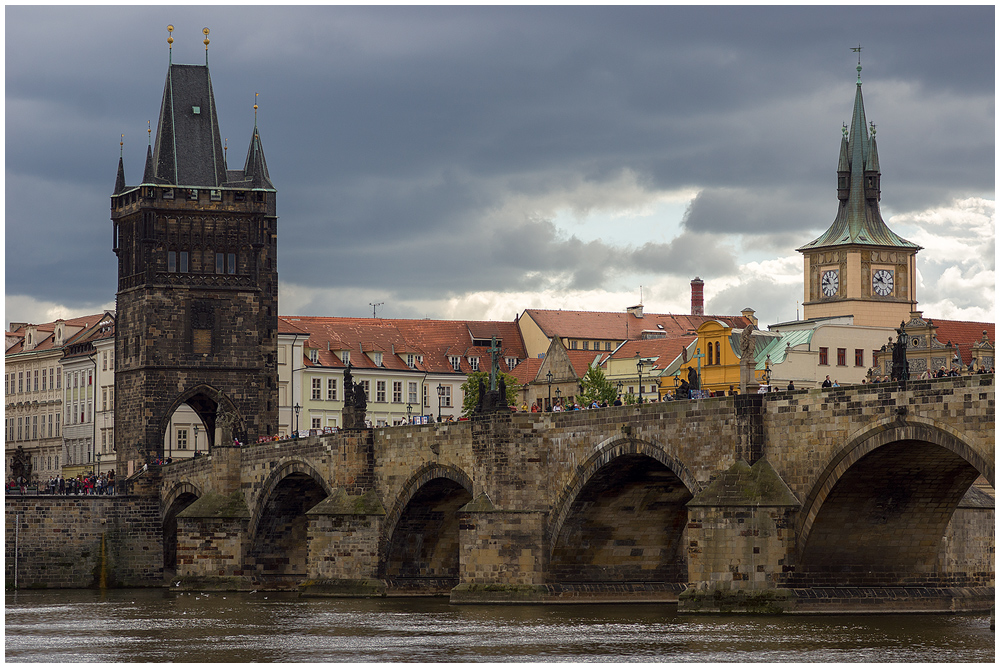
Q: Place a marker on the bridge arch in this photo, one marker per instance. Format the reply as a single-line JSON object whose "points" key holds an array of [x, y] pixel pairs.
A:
{"points": [[278, 547], [882, 503], [622, 517], [419, 538], [605, 452], [175, 500]]}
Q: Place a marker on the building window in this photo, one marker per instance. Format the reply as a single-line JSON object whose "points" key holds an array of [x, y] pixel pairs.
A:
{"points": [[345, 356], [172, 262], [397, 391], [586, 345], [317, 389], [51, 416], [34, 427], [859, 357], [182, 439], [20, 382], [411, 392], [377, 358], [36, 380], [474, 363], [572, 345], [220, 263], [841, 356], [104, 399], [427, 401], [104, 361], [215, 195], [410, 361], [316, 423], [380, 391], [446, 397], [331, 389], [824, 356], [718, 353], [19, 429], [367, 386], [184, 268], [456, 362], [57, 427], [231, 263]]}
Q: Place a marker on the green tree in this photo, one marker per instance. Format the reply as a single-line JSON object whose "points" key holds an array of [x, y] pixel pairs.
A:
{"points": [[596, 387], [470, 388]]}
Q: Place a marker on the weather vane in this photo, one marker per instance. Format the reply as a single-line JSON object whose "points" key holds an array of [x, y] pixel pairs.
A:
{"points": [[857, 50], [170, 43], [205, 30], [121, 146]]}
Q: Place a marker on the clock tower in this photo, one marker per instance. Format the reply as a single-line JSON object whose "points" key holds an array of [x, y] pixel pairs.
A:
{"points": [[859, 266]]}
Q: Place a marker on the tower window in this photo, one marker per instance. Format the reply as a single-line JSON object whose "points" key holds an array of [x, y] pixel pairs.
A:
{"points": [[193, 194], [184, 262], [258, 196], [172, 261], [215, 195], [168, 193], [239, 196], [231, 263], [220, 263]]}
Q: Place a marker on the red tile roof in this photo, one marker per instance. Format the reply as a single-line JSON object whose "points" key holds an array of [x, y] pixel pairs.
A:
{"points": [[433, 340], [964, 334], [620, 326], [46, 342], [666, 350]]}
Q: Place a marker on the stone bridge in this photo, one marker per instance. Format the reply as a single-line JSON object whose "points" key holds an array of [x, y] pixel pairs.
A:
{"points": [[807, 500]]}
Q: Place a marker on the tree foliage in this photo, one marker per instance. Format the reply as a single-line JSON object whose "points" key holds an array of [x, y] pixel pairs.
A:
{"points": [[470, 389], [596, 387]]}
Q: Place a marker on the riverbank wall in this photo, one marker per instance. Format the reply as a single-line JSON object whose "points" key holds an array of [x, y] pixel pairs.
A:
{"points": [[73, 542]]}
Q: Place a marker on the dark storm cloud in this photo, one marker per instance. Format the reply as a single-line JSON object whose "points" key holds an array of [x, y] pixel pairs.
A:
{"points": [[395, 134]]}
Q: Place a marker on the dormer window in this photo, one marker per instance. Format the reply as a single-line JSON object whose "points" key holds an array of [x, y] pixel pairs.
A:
{"points": [[474, 363], [345, 356], [168, 193], [314, 356], [193, 194], [512, 361], [215, 195], [411, 361], [377, 358], [456, 362]]}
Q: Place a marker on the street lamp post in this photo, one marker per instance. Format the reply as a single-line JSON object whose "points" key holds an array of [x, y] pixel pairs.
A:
{"points": [[621, 385], [409, 413], [440, 389], [558, 396], [638, 367], [196, 438], [548, 377], [97, 456], [297, 408]]}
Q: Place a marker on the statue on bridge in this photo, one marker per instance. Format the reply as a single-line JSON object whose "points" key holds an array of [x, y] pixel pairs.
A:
{"points": [[900, 365], [20, 465], [693, 381], [355, 402]]}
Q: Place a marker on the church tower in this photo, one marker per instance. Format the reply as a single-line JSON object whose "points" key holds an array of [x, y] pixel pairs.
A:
{"points": [[197, 296], [859, 266]]}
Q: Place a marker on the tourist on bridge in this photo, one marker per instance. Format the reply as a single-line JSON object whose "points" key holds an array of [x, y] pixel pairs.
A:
{"points": [[827, 383]]}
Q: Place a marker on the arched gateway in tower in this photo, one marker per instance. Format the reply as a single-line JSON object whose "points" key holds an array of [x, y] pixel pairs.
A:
{"points": [[197, 296], [859, 266]]}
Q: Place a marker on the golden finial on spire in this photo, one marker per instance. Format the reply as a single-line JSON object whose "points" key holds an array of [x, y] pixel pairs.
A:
{"points": [[255, 109], [121, 146], [225, 148], [149, 131], [206, 31], [170, 43]]}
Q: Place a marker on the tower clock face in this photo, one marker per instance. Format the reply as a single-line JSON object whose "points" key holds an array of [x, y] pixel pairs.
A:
{"points": [[882, 282], [830, 282]]}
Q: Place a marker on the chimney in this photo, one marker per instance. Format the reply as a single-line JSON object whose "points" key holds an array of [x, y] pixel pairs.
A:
{"points": [[697, 296], [635, 310], [748, 314]]}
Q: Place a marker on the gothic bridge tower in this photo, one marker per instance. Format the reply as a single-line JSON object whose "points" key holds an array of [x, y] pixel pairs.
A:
{"points": [[859, 266], [197, 300]]}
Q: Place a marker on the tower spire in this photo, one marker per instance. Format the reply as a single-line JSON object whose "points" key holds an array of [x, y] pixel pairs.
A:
{"points": [[120, 178]]}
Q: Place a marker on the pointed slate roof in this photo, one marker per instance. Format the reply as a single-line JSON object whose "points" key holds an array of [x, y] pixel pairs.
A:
{"points": [[188, 150], [255, 168], [120, 179], [147, 173], [858, 220]]}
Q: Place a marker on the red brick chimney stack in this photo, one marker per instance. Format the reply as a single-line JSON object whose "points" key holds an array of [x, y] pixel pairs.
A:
{"points": [[697, 296]]}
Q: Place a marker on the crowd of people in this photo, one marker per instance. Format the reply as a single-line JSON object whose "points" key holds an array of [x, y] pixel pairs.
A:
{"points": [[83, 484]]}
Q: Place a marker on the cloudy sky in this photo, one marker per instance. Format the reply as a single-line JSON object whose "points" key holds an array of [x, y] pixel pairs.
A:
{"points": [[466, 162]]}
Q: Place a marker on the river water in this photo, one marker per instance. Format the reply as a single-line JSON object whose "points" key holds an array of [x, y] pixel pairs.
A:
{"points": [[156, 625]]}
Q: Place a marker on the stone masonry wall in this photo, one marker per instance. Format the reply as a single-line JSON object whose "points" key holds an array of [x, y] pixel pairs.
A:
{"points": [[59, 542]]}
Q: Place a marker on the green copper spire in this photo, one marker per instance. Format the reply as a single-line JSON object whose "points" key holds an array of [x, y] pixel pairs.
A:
{"points": [[858, 220]]}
